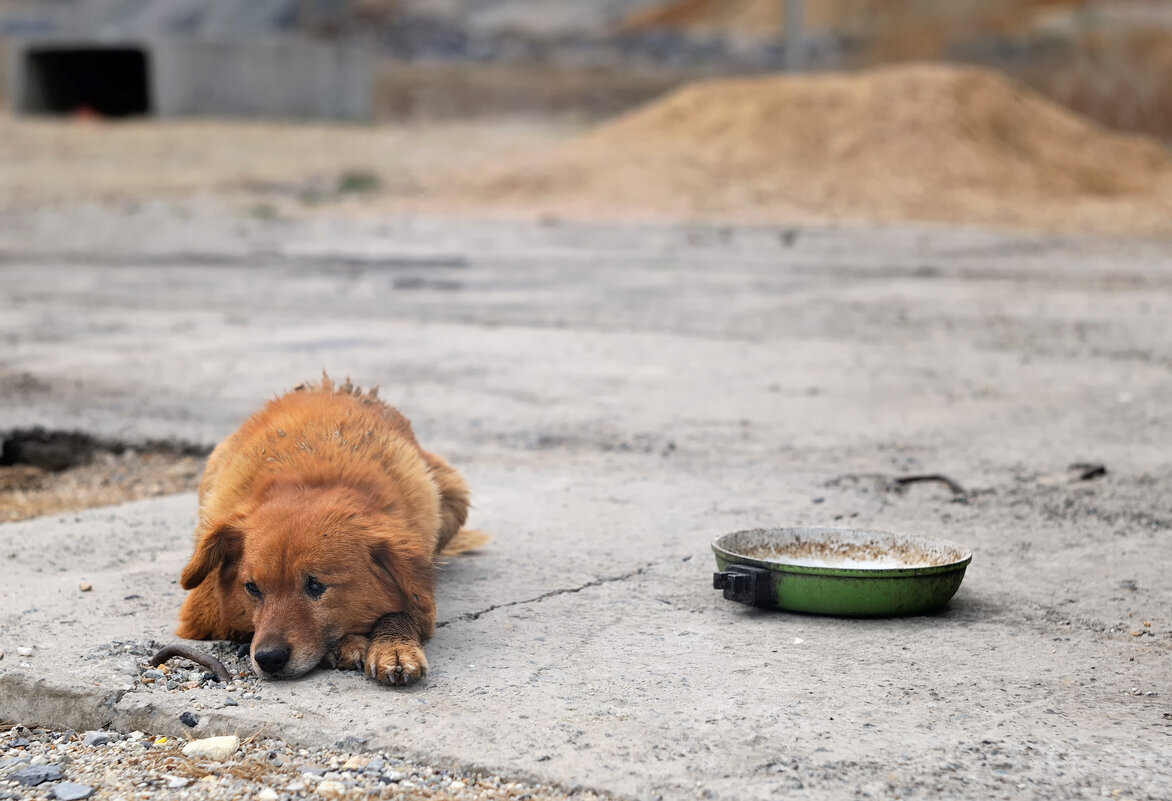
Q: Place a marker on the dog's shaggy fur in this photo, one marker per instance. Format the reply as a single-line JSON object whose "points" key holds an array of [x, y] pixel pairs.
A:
{"points": [[319, 522]]}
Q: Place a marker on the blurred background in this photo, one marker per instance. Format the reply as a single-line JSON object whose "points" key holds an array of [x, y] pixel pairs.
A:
{"points": [[1110, 60], [496, 82]]}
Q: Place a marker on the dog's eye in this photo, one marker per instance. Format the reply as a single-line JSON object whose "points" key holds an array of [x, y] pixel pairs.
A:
{"points": [[313, 587], [251, 588]]}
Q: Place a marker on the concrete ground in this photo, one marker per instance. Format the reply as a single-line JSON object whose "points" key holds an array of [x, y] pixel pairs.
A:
{"points": [[617, 397]]}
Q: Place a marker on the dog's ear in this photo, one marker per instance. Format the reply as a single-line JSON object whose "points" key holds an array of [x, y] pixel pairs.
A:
{"points": [[222, 545], [410, 569]]}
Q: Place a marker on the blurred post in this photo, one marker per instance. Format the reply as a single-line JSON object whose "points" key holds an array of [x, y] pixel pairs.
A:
{"points": [[795, 39], [307, 16]]}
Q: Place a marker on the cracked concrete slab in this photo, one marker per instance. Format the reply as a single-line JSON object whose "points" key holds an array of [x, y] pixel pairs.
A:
{"points": [[617, 397]]}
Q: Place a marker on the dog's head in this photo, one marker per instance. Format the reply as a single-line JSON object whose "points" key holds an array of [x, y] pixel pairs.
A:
{"points": [[307, 566]]}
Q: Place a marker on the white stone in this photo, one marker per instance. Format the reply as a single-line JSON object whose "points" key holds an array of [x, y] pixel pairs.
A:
{"points": [[330, 788], [267, 794], [23, 651], [218, 748]]}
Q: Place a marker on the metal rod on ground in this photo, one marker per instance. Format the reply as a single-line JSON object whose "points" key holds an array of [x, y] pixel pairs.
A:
{"points": [[795, 38]]}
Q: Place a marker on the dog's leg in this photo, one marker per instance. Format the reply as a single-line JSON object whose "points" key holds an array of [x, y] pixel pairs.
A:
{"points": [[395, 654], [453, 498], [199, 617]]}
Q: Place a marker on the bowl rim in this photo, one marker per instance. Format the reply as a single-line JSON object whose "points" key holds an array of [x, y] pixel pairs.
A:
{"points": [[733, 557]]}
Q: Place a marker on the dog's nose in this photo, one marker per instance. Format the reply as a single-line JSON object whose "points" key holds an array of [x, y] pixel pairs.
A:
{"points": [[272, 660]]}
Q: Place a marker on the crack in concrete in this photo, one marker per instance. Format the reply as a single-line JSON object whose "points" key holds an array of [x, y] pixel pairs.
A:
{"points": [[596, 582]]}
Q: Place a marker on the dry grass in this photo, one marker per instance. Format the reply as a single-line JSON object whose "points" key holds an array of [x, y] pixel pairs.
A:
{"points": [[54, 161], [434, 92]]}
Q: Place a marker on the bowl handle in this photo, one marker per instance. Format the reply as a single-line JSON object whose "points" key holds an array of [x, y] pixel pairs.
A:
{"points": [[745, 584]]}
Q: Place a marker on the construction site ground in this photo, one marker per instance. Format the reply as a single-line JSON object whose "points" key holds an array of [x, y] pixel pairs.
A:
{"points": [[617, 394]]}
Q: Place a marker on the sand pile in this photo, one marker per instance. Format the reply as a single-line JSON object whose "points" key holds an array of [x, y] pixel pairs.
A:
{"points": [[921, 142]]}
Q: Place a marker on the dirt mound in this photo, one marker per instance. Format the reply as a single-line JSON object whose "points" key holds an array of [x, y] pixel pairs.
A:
{"points": [[916, 142]]}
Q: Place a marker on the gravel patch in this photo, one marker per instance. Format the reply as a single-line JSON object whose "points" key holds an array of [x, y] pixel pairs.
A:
{"points": [[54, 764], [63, 764]]}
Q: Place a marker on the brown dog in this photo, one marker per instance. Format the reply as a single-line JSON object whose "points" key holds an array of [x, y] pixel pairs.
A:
{"points": [[319, 522]]}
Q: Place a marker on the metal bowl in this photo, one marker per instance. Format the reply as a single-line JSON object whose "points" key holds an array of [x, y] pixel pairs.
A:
{"points": [[833, 571]]}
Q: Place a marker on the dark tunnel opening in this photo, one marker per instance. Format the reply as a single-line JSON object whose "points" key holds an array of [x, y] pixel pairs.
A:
{"points": [[108, 81]]}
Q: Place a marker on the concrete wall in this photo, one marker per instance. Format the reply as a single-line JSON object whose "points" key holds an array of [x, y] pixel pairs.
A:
{"points": [[255, 78], [278, 78]]}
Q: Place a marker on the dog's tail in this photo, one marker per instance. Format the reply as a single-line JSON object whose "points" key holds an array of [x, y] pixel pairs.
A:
{"points": [[466, 539]]}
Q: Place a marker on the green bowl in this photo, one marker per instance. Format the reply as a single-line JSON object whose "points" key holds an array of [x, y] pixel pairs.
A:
{"points": [[833, 571]]}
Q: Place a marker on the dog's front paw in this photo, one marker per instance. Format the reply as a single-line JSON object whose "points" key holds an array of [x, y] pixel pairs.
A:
{"points": [[349, 653], [395, 661]]}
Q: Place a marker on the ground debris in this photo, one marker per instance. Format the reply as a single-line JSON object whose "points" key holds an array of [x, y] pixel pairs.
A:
{"points": [[952, 484], [1085, 471], [105, 479]]}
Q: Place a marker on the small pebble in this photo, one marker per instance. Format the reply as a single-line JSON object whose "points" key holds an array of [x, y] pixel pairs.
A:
{"points": [[189, 719], [217, 748], [356, 762], [177, 782], [72, 791], [85, 586], [24, 651], [456, 786], [230, 701], [93, 738], [267, 794]]}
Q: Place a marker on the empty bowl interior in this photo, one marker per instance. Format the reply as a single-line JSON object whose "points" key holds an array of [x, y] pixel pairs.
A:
{"points": [[851, 549]]}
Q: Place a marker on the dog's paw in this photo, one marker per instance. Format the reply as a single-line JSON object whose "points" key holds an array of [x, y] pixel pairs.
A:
{"points": [[395, 661], [349, 653]]}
